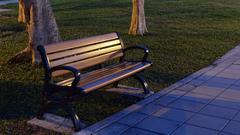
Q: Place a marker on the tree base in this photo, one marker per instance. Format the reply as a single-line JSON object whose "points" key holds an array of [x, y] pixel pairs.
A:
{"points": [[134, 33], [23, 56]]}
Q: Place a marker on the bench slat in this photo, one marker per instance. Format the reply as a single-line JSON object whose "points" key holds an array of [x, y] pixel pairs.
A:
{"points": [[90, 54], [100, 74], [56, 47], [114, 77], [97, 60], [90, 62], [83, 49], [94, 75], [110, 71]]}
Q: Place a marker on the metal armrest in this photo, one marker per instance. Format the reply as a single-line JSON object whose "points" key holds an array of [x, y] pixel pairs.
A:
{"points": [[139, 47], [75, 72]]}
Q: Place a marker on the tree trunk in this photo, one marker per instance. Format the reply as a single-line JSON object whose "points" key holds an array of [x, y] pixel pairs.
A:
{"points": [[138, 23], [41, 27]]}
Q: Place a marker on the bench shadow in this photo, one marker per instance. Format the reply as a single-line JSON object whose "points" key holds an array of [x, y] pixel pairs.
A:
{"points": [[18, 100], [22, 101]]}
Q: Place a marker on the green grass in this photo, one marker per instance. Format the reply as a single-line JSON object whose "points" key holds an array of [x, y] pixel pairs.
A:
{"points": [[185, 36]]}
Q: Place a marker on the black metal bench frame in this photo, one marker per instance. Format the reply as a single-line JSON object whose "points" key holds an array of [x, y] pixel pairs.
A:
{"points": [[73, 92]]}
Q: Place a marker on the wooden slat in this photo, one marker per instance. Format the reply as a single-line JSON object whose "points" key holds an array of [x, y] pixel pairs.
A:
{"points": [[85, 55], [80, 42], [82, 49], [97, 74], [67, 82], [113, 78], [101, 73], [96, 60], [90, 62], [106, 69]]}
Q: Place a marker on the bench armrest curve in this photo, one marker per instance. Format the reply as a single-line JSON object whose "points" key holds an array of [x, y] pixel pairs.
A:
{"points": [[76, 73], [139, 47]]}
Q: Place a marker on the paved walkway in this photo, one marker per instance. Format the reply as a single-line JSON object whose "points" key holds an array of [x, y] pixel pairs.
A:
{"points": [[205, 103]]}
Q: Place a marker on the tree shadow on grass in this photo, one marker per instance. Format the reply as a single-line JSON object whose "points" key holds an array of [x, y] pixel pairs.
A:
{"points": [[15, 28], [22, 101], [18, 100], [9, 30]]}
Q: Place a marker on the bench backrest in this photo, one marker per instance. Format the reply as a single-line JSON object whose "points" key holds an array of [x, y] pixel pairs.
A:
{"points": [[84, 53]]}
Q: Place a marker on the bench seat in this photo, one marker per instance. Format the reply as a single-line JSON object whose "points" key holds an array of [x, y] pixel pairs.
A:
{"points": [[96, 79]]}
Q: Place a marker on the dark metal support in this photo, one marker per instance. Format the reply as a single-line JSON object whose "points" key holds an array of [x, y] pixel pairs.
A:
{"points": [[115, 85], [143, 83], [78, 125], [139, 47], [100, 66], [45, 108]]}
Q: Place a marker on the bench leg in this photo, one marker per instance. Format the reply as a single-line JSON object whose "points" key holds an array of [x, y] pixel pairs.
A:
{"points": [[115, 85], [143, 83], [78, 125], [45, 108]]}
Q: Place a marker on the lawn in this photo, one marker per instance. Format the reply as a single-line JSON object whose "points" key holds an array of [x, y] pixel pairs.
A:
{"points": [[184, 37]]}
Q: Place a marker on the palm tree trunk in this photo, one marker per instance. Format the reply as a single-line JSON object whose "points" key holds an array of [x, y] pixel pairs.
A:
{"points": [[138, 22], [41, 27]]}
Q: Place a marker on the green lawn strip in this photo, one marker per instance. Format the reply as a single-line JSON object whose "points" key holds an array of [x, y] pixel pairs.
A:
{"points": [[185, 36]]}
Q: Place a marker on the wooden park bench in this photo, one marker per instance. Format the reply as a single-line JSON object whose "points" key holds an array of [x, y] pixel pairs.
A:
{"points": [[60, 59]]}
